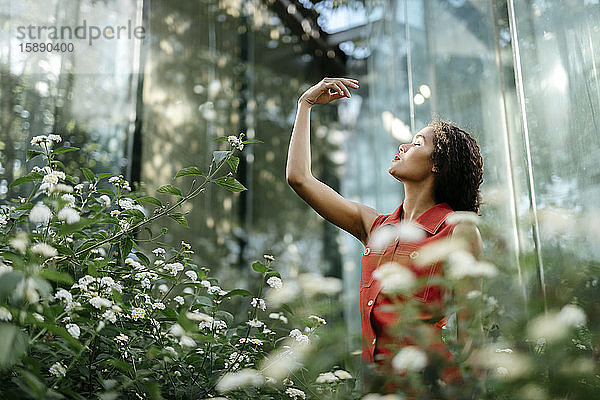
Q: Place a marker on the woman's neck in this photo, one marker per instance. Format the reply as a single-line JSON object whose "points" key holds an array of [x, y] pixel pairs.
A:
{"points": [[417, 200]]}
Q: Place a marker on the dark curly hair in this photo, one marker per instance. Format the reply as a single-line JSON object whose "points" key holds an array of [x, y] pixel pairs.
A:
{"points": [[458, 165]]}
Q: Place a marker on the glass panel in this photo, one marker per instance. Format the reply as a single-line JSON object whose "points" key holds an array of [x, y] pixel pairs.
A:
{"points": [[558, 61]]}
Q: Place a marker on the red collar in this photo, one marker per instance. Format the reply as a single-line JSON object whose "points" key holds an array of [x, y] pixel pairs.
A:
{"points": [[431, 220]]}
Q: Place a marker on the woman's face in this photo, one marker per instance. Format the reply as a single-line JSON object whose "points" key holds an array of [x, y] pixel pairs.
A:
{"points": [[413, 162]]}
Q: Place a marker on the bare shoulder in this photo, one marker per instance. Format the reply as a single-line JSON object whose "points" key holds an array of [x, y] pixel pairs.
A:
{"points": [[469, 232]]}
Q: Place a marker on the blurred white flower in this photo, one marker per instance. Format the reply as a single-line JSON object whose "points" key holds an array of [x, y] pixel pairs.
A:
{"points": [[58, 370], [439, 250], [240, 379], [387, 234], [506, 365], [395, 278], [68, 214], [268, 257], [572, 315], [69, 198], [313, 284], [110, 316], [198, 316], [410, 358], [54, 138], [20, 241], [463, 264], [5, 315], [5, 268], [457, 217], [64, 295], [44, 249], [275, 282], [255, 323], [327, 377], [186, 341], [27, 288], [284, 359], [317, 319], [62, 188], [288, 292], [342, 374], [179, 299], [40, 214], [174, 268], [177, 330], [73, 330]]}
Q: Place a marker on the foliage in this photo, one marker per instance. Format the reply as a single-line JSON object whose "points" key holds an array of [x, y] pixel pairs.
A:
{"points": [[86, 313]]}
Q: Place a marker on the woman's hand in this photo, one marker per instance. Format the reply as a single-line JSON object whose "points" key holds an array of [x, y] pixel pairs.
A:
{"points": [[327, 90]]}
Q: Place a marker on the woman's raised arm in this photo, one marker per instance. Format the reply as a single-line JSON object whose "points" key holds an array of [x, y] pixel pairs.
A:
{"points": [[352, 217]]}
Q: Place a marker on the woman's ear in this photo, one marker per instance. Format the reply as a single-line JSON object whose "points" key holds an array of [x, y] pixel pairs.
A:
{"points": [[434, 169]]}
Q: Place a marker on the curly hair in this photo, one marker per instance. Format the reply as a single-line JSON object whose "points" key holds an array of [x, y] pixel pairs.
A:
{"points": [[458, 165]]}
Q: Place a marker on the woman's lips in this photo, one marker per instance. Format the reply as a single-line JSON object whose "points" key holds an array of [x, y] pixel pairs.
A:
{"points": [[397, 157]]}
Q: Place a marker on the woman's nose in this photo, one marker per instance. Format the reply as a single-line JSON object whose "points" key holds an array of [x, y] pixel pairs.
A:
{"points": [[403, 148]]}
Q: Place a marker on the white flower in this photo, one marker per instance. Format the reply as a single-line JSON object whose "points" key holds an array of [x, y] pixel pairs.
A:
{"points": [[342, 374], [179, 299], [73, 330], [40, 214], [192, 275], [20, 241], [255, 323], [38, 317], [198, 316], [5, 268], [462, 216], [58, 370], [64, 295], [177, 330], [295, 393], [327, 377], [62, 188], [296, 334], [317, 319], [115, 213], [69, 198], [107, 281], [44, 249], [313, 284], [507, 365], [99, 302], [268, 257], [5, 315], [463, 264], [236, 142], [394, 278], [104, 200], [205, 283], [240, 379], [572, 315], [28, 288], [258, 303], [110, 315], [173, 268], [38, 140], [186, 341], [279, 316], [386, 234], [126, 203], [159, 306], [410, 358], [159, 252], [68, 214], [3, 219], [138, 313], [54, 138], [439, 250], [186, 245], [275, 282]]}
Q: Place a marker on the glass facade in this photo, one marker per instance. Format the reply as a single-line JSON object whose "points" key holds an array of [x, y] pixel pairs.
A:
{"points": [[521, 76]]}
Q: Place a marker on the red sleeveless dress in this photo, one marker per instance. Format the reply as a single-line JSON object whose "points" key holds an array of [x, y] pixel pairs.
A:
{"points": [[377, 321]]}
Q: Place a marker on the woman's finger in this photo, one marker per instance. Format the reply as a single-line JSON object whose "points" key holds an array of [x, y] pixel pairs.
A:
{"points": [[350, 82]]}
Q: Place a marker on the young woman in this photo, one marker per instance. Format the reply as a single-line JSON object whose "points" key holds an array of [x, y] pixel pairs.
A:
{"points": [[441, 171]]}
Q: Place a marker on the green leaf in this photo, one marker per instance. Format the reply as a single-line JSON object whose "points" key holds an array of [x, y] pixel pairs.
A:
{"points": [[134, 212], [260, 267], [26, 206], [143, 257], [252, 141], [125, 245], [239, 292], [180, 218], [219, 156], [120, 365], [189, 171], [9, 282], [56, 276], [103, 175], [89, 175], [67, 229], [64, 149], [30, 177], [222, 139], [150, 199], [170, 189], [287, 308], [32, 154], [106, 192], [13, 345], [233, 162], [229, 183]]}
